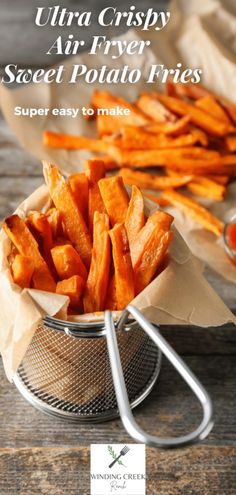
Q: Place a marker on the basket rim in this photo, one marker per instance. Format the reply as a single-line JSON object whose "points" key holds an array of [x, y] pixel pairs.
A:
{"points": [[82, 330]]}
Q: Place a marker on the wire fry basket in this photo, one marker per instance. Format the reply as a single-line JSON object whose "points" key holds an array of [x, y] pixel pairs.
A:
{"points": [[66, 370], [87, 372]]}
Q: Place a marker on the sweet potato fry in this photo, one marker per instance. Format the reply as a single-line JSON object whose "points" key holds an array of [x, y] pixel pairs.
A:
{"points": [[95, 170], [96, 286], [159, 200], [73, 221], [154, 109], [211, 106], [40, 223], [22, 270], [221, 179], [180, 126], [136, 138], [67, 262], [95, 204], [200, 136], [55, 222], [124, 277], [104, 100], [73, 288], [228, 166], [109, 162], [19, 234], [194, 210], [208, 188], [189, 90], [196, 91], [108, 124], [159, 221], [153, 182], [115, 198], [203, 186], [111, 303], [152, 258], [79, 186], [230, 143], [135, 218], [186, 159], [197, 116], [68, 142]]}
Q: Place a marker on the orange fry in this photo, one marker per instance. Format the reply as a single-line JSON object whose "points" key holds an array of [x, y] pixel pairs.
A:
{"points": [[22, 270], [68, 142], [189, 90], [124, 277], [96, 287], [160, 222], [230, 143], [111, 303], [159, 200], [95, 170], [73, 288], [189, 160], [153, 182], [200, 136], [176, 128], [135, 218], [73, 221], [79, 186], [211, 106], [154, 109], [194, 210], [19, 234], [198, 117], [137, 138], [115, 198], [202, 186], [196, 91], [221, 179], [103, 101], [67, 262], [152, 258], [40, 223], [108, 161], [55, 222]]}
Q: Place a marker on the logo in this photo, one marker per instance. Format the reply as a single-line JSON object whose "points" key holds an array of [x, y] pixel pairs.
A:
{"points": [[115, 457], [117, 469]]}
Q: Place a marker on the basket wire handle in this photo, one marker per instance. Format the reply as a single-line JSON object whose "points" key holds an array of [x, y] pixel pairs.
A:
{"points": [[134, 430]]}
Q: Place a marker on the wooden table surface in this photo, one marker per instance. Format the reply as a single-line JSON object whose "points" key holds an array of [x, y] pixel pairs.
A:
{"points": [[44, 455]]}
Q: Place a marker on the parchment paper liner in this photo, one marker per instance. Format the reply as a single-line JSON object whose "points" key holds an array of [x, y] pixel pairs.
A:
{"points": [[179, 295]]}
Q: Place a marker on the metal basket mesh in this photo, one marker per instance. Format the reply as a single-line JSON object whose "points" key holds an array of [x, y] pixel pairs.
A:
{"points": [[71, 377]]}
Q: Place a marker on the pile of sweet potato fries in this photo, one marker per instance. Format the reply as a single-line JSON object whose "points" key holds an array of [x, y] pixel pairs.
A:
{"points": [[94, 244], [187, 134]]}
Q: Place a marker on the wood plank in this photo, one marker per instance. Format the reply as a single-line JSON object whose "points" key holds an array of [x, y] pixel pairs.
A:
{"points": [[199, 470], [170, 409]]}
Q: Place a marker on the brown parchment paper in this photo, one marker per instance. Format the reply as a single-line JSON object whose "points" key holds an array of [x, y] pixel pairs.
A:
{"points": [[199, 34], [179, 295]]}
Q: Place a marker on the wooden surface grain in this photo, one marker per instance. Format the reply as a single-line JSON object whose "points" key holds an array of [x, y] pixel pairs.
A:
{"points": [[43, 455]]}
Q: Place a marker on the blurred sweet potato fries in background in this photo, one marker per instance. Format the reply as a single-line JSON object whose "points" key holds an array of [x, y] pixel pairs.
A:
{"points": [[187, 134]]}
